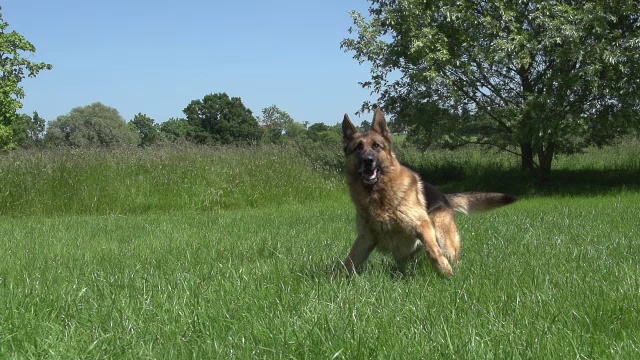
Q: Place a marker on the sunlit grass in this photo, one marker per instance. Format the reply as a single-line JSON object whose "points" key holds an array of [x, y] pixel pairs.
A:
{"points": [[134, 181], [151, 271]]}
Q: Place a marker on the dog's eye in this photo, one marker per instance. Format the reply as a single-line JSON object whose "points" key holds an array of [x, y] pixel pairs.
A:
{"points": [[376, 146], [359, 146]]}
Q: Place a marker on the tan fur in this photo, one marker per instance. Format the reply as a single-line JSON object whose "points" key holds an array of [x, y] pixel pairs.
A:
{"points": [[472, 202], [391, 214]]}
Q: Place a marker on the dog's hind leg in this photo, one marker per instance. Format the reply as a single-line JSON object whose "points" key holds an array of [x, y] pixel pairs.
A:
{"points": [[447, 233]]}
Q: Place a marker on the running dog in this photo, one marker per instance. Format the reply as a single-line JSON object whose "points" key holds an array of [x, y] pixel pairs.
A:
{"points": [[397, 212]]}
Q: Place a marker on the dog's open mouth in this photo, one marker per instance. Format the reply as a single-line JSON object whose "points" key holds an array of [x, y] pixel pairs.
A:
{"points": [[370, 176]]}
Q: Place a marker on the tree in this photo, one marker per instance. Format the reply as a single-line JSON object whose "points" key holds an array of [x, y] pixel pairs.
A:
{"points": [[94, 125], [35, 130], [174, 129], [19, 129], [315, 130], [542, 77], [6, 140], [321, 133], [219, 119], [14, 67], [429, 125], [295, 132], [280, 126], [28, 131], [146, 128], [365, 125]]}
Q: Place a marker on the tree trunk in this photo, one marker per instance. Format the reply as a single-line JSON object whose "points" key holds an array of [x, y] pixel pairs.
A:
{"points": [[545, 157], [526, 151]]}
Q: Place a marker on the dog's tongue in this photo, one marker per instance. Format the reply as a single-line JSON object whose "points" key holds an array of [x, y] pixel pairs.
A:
{"points": [[371, 174]]}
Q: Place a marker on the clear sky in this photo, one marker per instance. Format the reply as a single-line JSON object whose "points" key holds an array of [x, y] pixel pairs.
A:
{"points": [[154, 57]]}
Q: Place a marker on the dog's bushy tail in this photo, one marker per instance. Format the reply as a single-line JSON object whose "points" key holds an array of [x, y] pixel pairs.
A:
{"points": [[472, 202]]}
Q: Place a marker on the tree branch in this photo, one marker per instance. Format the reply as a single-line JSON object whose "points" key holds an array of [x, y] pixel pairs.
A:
{"points": [[480, 105]]}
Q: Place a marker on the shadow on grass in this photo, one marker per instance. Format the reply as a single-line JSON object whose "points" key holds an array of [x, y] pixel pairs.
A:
{"points": [[588, 182]]}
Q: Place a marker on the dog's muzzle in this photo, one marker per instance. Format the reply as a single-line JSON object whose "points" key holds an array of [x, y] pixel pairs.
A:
{"points": [[369, 169]]}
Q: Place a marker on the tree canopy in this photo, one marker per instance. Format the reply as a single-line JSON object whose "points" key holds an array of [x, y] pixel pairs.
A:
{"points": [[322, 133], [540, 77], [15, 65], [95, 125], [279, 126], [220, 119], [28, 131], [174, 130], [146, 128]]}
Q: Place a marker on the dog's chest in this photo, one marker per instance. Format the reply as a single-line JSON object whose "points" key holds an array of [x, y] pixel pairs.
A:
{"points": [[394, 232], [392, 220], [392, 215], [394, 212], [398, 243]]}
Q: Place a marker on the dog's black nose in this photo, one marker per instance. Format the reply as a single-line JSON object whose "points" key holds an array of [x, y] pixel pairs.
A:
{"points": [[368, 159]]}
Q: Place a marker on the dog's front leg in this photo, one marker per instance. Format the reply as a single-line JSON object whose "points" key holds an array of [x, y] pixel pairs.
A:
{"points": [[362, 247], [427, 234]]}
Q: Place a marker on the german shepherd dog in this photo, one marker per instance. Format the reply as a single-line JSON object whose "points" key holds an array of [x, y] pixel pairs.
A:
{"points": [[396, 212]]}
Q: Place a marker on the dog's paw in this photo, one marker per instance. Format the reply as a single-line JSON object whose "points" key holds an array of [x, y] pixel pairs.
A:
{"points": [[339, 270], [445, 268]]}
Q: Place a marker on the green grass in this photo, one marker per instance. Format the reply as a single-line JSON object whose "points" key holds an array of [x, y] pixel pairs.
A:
{"points": [[595, 171], [130, 181], [251, 276]]}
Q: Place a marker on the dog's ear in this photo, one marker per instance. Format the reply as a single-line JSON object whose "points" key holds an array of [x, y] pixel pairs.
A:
{"points": [[348, 129], [379, 124]]}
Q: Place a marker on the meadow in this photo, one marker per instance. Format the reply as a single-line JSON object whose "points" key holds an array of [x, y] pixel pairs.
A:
{"points": [[231, 253]]}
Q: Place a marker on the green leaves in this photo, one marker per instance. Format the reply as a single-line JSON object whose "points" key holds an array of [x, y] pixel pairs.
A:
{"points": [[146, 128], [221, 119], [6, 139], [94, 125], [174, 130], [280, 127], [14, 67], [561, 71], [28, 131]]}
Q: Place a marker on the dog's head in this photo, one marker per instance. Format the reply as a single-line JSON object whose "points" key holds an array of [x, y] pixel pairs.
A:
{"points": [[368, 154]]}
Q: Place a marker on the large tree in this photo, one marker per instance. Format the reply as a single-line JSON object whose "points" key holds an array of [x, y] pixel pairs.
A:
{"points": [[322, 133], [14, 67], [146, 128], [174, 130], [536, 77], [94, 125], [28, 131], [280, 126], [221, 119]]}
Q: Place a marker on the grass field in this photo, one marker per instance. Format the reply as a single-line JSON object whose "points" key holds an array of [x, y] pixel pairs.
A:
{"points": [[221, 253]]}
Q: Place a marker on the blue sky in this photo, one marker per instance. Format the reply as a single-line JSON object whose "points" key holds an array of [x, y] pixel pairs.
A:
{"points": [[155, 57]]}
